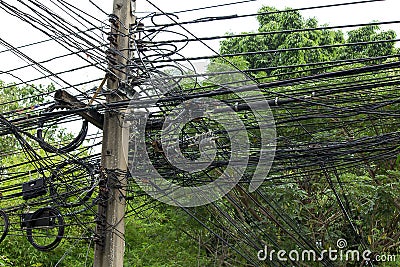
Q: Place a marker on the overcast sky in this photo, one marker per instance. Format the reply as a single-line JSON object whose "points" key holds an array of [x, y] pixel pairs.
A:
{"points": [[19, 33]]}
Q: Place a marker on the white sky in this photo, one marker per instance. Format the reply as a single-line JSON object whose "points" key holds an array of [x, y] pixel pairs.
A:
{"points": [[18, 33]]}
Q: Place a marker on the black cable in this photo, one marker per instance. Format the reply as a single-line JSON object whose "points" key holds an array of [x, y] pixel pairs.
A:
{"points": [[235, 16]]}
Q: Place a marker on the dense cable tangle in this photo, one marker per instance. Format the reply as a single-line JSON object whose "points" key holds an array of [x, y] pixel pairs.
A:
{"points": [[66, 182], [331, 115], [343, 113], [51, 23], [87, 43], [50, 175]]}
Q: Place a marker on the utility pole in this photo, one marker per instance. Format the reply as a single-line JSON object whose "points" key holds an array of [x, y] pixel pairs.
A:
{"points": [[110, 231]]}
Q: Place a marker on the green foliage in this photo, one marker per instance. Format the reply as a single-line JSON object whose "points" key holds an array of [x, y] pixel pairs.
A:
{"points": [[16, 251], [370, 190], [283, 31], [370, 34], [166, 236], [161, 239], [21, 97]]}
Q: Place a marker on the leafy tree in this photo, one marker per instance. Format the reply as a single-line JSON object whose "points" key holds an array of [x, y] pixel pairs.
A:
{"points": [[370, 191], [284, 34], [148, 239]]}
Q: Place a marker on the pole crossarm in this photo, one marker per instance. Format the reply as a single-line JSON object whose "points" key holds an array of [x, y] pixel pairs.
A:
{"points": [[92, 116]]}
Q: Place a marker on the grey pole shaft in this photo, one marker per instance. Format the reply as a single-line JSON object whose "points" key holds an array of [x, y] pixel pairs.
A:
{"points": [[110, 231]]}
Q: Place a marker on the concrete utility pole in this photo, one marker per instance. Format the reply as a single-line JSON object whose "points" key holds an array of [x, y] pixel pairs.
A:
{"points": [[110, 231]]}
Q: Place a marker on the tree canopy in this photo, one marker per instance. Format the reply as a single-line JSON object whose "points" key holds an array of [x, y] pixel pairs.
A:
{"points": [[287, 42]]}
